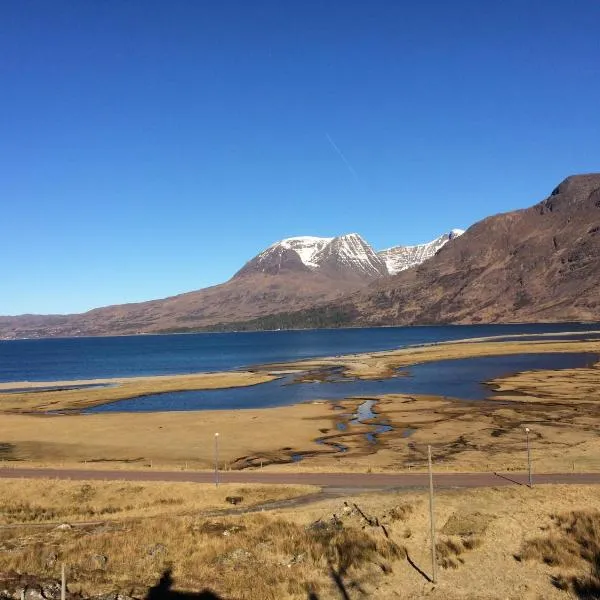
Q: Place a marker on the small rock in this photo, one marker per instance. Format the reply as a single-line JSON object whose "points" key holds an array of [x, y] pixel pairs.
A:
{"points": [[51, 591], [64, 527], [234, 499], [34, 593]]}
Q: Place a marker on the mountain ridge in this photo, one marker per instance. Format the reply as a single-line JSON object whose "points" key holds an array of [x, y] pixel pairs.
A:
{"points": [[295, 272]]}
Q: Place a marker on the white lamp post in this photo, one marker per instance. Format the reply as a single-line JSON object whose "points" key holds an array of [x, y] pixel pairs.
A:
{"points": [[216, 459], [528, 457]]}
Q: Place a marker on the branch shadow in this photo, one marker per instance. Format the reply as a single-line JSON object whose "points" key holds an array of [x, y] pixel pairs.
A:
{"points": [[418, 569], [510, 479]]}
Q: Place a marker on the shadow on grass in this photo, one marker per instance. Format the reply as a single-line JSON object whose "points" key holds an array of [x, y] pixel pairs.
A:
{"points": [[162, 591]]}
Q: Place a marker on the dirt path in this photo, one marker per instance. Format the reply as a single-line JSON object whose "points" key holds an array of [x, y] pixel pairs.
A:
{"points": [[328, 481]]}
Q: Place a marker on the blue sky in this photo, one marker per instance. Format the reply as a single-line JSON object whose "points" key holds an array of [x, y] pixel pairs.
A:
{"points": [[149, 147]]}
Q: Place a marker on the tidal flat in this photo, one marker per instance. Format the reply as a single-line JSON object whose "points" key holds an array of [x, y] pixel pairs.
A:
{"points": [[559, 406]]}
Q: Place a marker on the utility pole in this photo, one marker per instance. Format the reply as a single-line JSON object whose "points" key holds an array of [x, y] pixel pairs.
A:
{"points": [[529, 457], [432, 519], [216, 460]]}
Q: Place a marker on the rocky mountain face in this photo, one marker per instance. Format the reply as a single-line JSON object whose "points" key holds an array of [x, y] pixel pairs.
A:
{"points": [[295, 273], [537, 264]]}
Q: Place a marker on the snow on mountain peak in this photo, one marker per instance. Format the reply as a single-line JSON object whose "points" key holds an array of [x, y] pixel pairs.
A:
{"points": [[400, 258], [345, 256], [306, 246]]}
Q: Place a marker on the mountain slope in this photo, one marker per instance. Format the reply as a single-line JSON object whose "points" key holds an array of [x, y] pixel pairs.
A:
{"points": [[536, 264], [541, 263]]}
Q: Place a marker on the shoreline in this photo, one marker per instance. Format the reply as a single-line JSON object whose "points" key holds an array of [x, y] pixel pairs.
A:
{"points": [[467, 436], [384, 364]]}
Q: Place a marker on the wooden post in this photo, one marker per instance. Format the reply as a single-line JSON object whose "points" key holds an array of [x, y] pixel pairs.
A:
{"points": [[63, 583], [432, 519]]}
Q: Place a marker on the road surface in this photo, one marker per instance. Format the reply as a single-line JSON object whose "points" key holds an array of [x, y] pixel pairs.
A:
{"points": [[350, 481]]}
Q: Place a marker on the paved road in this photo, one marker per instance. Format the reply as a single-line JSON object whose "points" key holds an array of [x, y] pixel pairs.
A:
{"points": [[350, 481]]}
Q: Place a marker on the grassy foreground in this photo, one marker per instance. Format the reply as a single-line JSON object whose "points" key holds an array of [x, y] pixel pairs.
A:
{"points": [[497, 543]]}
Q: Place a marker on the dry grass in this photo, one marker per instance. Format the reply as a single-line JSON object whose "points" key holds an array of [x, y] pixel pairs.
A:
{"points": [[121, 389], [252, 556], [573, 547], [42, 501], [379, 546], [450, 550]]}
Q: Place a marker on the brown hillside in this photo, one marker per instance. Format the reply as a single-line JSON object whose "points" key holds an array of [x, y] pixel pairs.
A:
{"points": [[537, 264]]}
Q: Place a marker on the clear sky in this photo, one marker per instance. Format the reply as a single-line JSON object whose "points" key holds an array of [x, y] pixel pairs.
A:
{"points": [[151, 147]]}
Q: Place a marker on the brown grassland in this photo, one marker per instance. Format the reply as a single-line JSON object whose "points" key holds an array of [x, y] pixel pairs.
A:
{"points": [[512, 543]]}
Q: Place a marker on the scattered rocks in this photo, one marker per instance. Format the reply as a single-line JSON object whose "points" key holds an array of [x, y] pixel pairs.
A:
{"points": [[51, 590], [34, 592], [333, 523], [219, 528], [14, 586]]}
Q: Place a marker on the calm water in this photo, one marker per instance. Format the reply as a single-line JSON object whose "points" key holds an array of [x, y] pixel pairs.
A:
{"points": [[89, 358], [452, 378]]}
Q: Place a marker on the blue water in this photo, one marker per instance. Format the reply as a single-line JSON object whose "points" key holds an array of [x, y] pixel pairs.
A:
{"points": [[89, 358], [461, 378]]}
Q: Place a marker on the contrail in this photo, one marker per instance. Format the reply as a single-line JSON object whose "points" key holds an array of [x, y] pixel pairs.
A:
{"points": [[341, 155]]}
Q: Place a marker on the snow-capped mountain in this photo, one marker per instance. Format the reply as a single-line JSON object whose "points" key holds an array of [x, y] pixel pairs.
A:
{"points": [[400, 258], [344, 257], [349, 255]]}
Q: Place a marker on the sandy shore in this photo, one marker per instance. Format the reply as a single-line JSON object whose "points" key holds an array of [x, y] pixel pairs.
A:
{"points": [[377, 365], [117, 389]]}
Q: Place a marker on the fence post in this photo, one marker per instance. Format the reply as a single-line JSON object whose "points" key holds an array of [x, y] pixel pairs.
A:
{"points": [[432, 518], [63, 583]]}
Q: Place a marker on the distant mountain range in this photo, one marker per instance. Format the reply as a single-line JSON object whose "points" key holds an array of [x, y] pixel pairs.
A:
{"points": [[294, 273], [537, 264]]}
